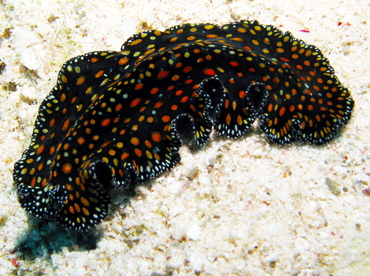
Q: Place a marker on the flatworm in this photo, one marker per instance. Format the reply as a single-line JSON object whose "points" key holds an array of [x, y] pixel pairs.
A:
{"points": [[114, 118]]}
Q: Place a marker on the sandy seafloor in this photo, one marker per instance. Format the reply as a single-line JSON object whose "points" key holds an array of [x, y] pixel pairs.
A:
{"points": [[236, 207]]}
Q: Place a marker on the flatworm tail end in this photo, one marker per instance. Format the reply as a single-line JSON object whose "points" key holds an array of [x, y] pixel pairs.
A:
{"points": [[306, 101]]}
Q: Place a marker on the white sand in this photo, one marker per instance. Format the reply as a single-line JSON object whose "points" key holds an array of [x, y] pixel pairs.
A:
{"points": [[240, 207]]}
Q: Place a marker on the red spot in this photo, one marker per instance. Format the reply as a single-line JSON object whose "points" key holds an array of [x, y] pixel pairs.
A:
{"points": [[242, 94], [139, 86], [344, 24], [234, 63], [282, 111], [154, 90], [304, 31], [156, 136], [14, 262], [162, 74], [135, 102], [366, 191], [105, 122], [187, 69], [209, 72], [118, 107], [138, 152], [184, 99], [158, 104]]}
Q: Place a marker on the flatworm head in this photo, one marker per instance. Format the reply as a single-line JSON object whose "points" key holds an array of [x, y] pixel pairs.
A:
{"points": [[114, 119]]}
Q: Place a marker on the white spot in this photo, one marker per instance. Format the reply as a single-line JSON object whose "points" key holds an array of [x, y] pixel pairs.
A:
{"points": [[193, 232]]}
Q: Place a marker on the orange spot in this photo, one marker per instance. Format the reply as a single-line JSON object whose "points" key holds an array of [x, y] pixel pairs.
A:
{"points": [[241, 30], [67, 168], [80, 80], [52, 150], [228, 119], [239, 120], [124, 156], [138, 152], [71, 210], [40, 149], [135, 42], [300, 67], [66, 123], [69, 187], [242, 94], [44, 182], [123, 61], [166, 119], [80, 140], [85, 211], [282, 111], [237, 39], [227, 103], [77, 207], [94, 59], [276, 80], [33, 182], [99, 74], [135, 141], [52, 123], [62, 97], [85, 201]]}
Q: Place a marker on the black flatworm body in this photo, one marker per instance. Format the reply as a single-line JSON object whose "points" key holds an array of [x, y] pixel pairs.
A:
{"points": [[113, 119]]}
